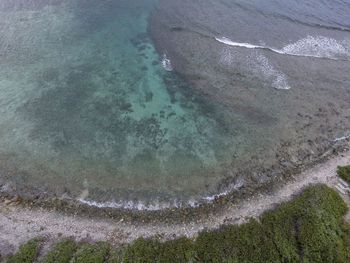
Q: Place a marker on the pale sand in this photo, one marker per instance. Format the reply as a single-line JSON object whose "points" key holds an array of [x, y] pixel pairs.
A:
{"points": [[18, 225]]}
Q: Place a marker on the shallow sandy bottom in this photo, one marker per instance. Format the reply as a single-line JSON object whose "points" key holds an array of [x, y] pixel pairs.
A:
{"points": [[18, 224]]}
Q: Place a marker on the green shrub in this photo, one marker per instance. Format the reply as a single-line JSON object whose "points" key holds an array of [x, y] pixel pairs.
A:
{"points": [[309, 228], [27, 253], [321, 226], [142, 251], [245, 243], [149, 250], [344, 173], [88, 253], [61, 253], [316, 217], [179, 250]]}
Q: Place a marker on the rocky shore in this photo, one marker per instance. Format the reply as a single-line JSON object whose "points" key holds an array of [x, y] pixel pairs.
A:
{"points": [[20, 221]]}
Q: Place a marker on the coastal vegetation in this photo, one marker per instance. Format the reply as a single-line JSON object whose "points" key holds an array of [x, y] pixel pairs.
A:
{"points": [[62, 252], [344, 173], [310, 228], [27, 253], [96, 253]]}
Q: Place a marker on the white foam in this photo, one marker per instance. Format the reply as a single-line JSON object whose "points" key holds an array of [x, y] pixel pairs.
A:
{"points": [[279, 79], [343, 138], [317, 47], [166, 63], [156, 206], [140, 206], [130, 205], [211, 198], [232, 187], [229, 42], [257, 63]]}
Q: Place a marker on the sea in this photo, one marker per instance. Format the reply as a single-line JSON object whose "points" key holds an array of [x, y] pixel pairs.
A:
{"points": [[155, 104]]}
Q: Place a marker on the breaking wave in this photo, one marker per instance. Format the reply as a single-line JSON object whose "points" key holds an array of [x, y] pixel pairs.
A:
{"points": [[156, 206], [159, 205], [132, 205], [317, 47]]}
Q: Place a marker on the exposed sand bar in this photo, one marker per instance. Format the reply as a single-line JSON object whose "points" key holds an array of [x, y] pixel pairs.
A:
{"points": [[18, 224]]}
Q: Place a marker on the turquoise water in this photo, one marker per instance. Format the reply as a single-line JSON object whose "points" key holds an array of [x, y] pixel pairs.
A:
{"points": [[87, 105], [150, 104]]}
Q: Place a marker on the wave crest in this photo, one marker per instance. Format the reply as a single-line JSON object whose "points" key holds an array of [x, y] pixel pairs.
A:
{"points": [[317, 47]]}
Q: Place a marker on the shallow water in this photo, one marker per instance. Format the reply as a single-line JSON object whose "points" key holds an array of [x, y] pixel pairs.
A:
{"points": [[148, 104]]}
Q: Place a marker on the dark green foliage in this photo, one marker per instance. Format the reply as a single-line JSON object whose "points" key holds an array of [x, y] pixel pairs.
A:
{"points": [[61, 253], [88, 253], [322, 228], [179, 250], [27, 253], [310, 228], [344, 172], [144, 250], [246, 243]]}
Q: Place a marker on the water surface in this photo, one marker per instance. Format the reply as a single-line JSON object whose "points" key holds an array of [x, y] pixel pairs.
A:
{"points": [[148, 104]]}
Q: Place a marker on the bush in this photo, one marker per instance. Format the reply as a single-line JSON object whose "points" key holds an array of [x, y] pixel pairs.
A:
{"points": [[179, 250], [148, 250], [310, 228], [344, 173], [245, 243], [62, 252], [88, 253], [27, 253], [142, 250]]}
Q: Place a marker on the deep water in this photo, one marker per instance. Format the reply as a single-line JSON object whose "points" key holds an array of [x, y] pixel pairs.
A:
{"points": [[147, 104]]}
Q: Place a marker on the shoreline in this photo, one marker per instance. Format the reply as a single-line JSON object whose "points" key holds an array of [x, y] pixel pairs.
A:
{"points": [[229, 191], [278, 168], [19, 223], [230, 100]]}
